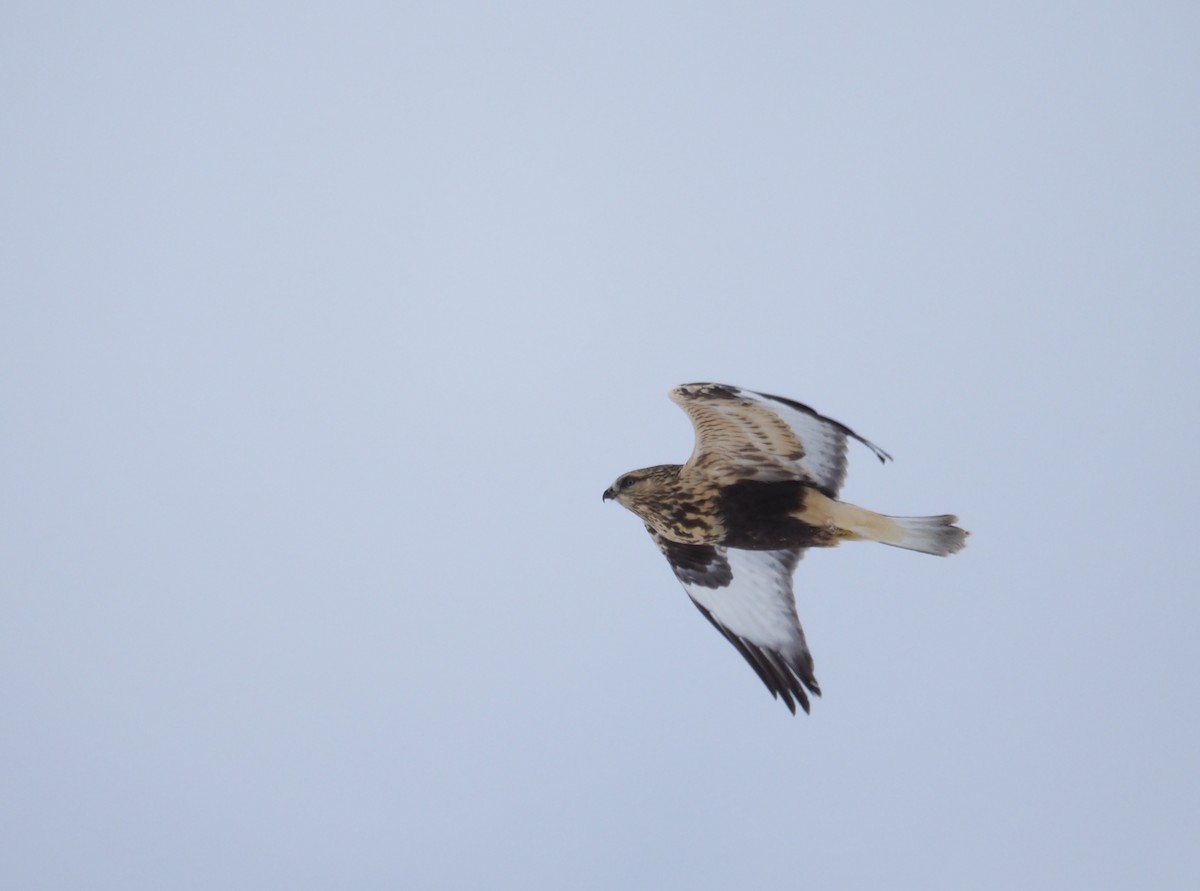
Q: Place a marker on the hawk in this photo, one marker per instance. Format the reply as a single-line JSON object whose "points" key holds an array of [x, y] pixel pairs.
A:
{"points": [[760, 486]]}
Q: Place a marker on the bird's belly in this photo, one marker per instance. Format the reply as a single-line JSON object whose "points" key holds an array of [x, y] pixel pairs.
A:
{"points": [[787, 533], [767, 516]]}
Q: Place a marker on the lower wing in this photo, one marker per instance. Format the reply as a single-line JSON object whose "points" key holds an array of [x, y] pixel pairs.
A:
{"points": [[747, 595]]}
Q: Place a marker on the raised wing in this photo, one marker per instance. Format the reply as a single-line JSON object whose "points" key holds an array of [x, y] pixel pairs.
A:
{"points": [[741, 434], [747, 595]]}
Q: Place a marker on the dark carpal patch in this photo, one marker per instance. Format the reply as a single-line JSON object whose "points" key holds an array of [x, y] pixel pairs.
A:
{"points": [[714, 391], [695, 564], [757, 515]]}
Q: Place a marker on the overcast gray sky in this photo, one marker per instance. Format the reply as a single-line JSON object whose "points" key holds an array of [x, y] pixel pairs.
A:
{"points": [[324, 328]]}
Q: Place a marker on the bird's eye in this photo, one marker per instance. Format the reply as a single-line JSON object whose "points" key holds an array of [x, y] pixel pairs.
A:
{"points": [[625, 482]]}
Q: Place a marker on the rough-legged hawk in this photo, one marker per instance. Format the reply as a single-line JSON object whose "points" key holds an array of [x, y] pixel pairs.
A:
{"points": [[759, 488]]}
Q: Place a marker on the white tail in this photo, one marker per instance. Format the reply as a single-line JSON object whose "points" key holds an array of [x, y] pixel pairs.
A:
{"points": [[929, 535]]}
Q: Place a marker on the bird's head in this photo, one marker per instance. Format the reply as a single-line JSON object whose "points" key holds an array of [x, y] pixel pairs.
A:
{"points": [[639, 488]]}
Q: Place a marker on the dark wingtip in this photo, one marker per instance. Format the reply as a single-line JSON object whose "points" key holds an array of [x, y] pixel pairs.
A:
{"points": [[883, 456], [783, 679], [786, 696]]}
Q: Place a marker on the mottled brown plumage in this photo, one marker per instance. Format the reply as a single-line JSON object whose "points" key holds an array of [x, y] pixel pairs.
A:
{"points": [[759, 488]]}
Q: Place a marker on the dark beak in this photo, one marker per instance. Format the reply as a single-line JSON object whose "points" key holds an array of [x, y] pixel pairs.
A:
{"points": [[608, 494]]}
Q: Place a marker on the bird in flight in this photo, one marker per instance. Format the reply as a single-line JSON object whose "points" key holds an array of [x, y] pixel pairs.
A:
{"points": [[760, 486]]}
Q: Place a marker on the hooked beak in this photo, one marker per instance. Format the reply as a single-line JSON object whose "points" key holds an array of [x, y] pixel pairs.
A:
{"points": [[608, 494]]}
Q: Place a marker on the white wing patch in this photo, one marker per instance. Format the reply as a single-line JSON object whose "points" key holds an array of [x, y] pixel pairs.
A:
{"points": [[756, 435], [757, 604], [747, 596]]}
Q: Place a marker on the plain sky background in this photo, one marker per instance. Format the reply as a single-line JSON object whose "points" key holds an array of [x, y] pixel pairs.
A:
{"points": [[324, 327]]}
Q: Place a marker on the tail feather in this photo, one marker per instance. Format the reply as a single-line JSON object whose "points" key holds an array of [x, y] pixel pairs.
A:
{"points": [[929, 535]]}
